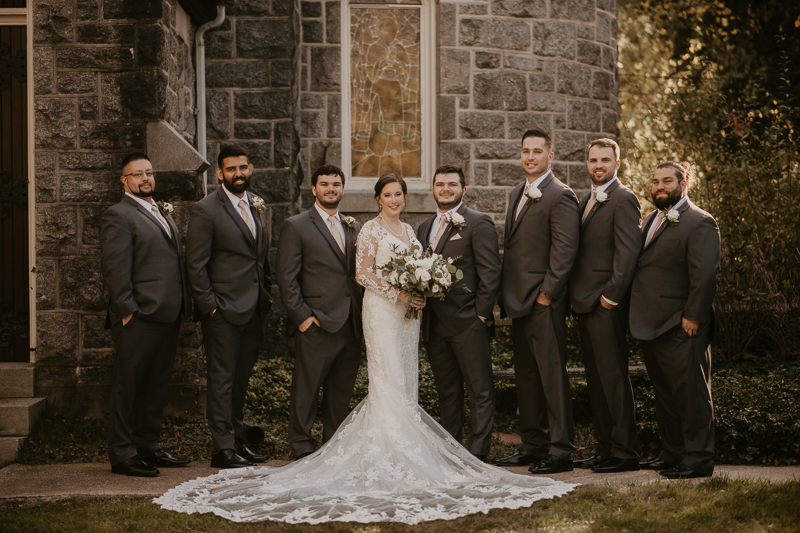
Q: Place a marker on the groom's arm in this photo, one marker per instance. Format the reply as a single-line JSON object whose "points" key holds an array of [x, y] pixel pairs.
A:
{"points": [[199, 246], [288, 266], [486, 253]]}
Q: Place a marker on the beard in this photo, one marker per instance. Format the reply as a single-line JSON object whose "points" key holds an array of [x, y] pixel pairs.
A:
{"points": [[236, 188], [672, 199], [143, 194], [328, 204], [446, 206]]}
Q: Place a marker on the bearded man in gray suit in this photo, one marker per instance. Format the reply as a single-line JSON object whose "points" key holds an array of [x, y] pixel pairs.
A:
{"points": [[316, 279], [456, 329], [142, 265], [226, 261], [541, 242], [599, 285], [671, 298]]}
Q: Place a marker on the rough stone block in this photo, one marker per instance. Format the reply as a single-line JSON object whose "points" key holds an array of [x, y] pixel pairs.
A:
{"points": [[487, 33], [133, 95], [507, 174], [325, 153], [482, 126], [447, 24], [542, 83], [105, 58], [90, 221], [574, 80], [447, 117], [555, 39], [579, 177], [589, 53], [521, 62], [520, 8], [275, 186], [454, 71], [218, 122], [240, 75], [487, 59], [95, 375], [43, 70], [267, 105], [282, 74], [219, 45], [560, 121], [152, 45], [89, 108], [497, 149], [586, 32], [103, 357], [252, 130], [312, 124], [55, 123], [85, 161], [487, 200], [604, 28], [52, 21], [127, 9], [259, 153], [473, 9], [176, 186], [610, 121], [311, 9], [583, 116], [569, 146], [56, 338], [454, 153], [607, 5], [333, 22], [76, 82], [500, 90], [46, 183], [105, 34], [56, 230], [609, 61], [313, 32], [582, 10], [312, 101], [463, 102], [81, 285], [480, 174], [46, 286], [112, 136], [287, 145], [326, 68], [548, 102], [518, 124], [334, 117], [91, 187], [87, 10], [264, 39], [246, 8], [601, 85]]}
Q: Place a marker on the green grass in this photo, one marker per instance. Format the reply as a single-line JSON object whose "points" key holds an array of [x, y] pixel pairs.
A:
{"points": [[717, 505]]}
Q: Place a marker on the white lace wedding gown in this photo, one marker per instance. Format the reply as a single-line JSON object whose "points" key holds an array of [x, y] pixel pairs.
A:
{"points": [[389, 461]]}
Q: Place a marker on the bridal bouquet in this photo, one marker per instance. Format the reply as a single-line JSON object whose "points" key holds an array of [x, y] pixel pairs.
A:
{"points": [[417, 272]]}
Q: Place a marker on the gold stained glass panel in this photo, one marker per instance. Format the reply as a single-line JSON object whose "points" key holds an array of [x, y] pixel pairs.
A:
{"points": [[385, 118]]}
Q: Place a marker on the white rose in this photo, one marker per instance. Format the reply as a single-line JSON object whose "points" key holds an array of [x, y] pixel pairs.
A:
{"points": [[394, 277], [673, 216], [435, 288], [425, 276], [533, 193], [601, 196], [457, 219], [403, 278]]}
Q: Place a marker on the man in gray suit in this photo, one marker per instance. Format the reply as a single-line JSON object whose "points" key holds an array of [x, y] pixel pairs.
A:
{"points": [[671, 297], [316, 280], [456, 329], [599, 285], [541, 242], [226, 261], [142, 266]]}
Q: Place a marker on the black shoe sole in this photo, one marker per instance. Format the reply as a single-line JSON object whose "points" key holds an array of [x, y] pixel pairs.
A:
{"points": [[135, 474], [226, 466]]}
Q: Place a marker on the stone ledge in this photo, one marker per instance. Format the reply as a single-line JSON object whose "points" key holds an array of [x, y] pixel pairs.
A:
{"points": [[169, 151], [363, 201], [16, 380]]}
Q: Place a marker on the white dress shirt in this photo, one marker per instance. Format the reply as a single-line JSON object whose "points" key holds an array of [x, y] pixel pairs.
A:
{"points": [[235, 202], [148, 206], [338, 218], [437, 221]]}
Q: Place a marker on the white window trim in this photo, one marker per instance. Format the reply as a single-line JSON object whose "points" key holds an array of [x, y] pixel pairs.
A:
{"points": [[427, 73]]}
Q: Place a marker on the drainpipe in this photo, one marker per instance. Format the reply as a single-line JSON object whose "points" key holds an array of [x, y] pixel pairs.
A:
{"points": [[200, 61]]}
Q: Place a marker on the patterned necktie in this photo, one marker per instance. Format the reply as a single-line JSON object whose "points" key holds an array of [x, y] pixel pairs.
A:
{"points": [[157, 212], [590, 205], [523, 202], [440, 231], [245, 216], [335, 232], [656, 224]]}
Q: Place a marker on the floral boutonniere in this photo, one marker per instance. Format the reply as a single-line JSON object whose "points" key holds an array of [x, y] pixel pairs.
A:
{"points": [[673, 217], [166, 207], [457, 221], [257, 203], [532, 194], [349, 222], [601, 197]]}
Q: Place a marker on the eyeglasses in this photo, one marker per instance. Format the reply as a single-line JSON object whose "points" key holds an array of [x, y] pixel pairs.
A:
{"points": [[138, 175]]}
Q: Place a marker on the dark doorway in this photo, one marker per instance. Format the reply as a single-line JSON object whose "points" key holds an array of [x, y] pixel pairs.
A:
{"points": [[14, 304]]}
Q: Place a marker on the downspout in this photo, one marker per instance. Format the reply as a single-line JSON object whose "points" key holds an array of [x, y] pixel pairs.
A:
{"points": [[200, 61]]}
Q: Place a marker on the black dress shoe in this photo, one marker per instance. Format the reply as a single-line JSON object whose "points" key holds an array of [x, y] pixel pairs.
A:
{"points": [[229, 459], [682, 472], [519, 458], [657, 464], [164, 459], [134, 466], [552, 465], [479, 456], [591, 462], [247, 453], [615, 464]]}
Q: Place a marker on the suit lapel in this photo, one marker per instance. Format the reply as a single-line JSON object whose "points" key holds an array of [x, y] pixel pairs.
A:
{"points": [[528, 205], [665, 224], [449, 231], [255, 216], [516, 193], [425, 230], [326, 233], [148, 215], [349, 246], [611, 188], [237, 218]]}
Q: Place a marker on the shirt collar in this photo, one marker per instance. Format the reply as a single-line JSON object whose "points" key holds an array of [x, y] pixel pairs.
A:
{"points": [[680, 202], [235, 199], [450, 212], [538, 180], [144, 203], [324, 214], [604, 186]]}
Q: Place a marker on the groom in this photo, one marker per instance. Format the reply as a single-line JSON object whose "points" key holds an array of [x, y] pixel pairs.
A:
{"points": [[456, 329], [316, 281]]}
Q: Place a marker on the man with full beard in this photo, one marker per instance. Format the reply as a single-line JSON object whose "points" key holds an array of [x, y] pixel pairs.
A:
{"points": [[673, 288], [316, 269], [456, 329], [226, 260]]}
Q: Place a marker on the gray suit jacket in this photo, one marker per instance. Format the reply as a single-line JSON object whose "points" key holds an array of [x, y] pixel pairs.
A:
{"points": [[676, 273], [540, 247], [314, 276], [142, 266], [227, 268], [610, 241], [477, 254]]}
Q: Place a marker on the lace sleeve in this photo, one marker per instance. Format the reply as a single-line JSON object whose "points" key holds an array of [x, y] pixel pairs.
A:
{"points": [[366, 249]]}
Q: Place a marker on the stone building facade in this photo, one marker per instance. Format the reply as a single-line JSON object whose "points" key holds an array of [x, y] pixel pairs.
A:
{"points": [[112, 76]]}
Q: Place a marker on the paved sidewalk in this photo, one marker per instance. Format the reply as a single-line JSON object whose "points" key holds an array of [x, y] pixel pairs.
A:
{"points": [[96, 479]]}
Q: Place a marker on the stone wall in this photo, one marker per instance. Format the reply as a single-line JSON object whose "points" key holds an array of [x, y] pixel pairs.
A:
{"points": [[103, 70]]}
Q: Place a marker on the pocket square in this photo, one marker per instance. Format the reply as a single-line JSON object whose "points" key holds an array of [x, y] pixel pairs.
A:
{"points": [[455, 237]]}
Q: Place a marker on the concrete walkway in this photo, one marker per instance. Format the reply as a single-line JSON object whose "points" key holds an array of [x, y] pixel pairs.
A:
{"points": [[96, 479]]}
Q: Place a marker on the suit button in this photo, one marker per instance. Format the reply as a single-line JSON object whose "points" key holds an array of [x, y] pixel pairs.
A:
{"points": [[255, 281], [347, 295]]}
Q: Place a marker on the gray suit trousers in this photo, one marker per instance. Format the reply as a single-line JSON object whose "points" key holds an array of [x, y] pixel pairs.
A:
{"points": [[231, 353], [605, 356], [322, 360], [145, 354], [543, 393], [457, 360], [680, 369]]}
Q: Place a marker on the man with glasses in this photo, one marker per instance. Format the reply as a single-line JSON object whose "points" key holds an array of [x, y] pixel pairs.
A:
{"points": [[143, 270]]}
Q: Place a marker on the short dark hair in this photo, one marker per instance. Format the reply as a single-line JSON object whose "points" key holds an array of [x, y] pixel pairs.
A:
{"points": [[232, 150], [682, 170], [326, 170], [135, 156], [386, 179], [536, 132], [604, 143], [451, 169]]}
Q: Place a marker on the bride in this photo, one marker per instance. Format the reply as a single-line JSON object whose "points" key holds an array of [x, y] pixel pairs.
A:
{"points": [[389, 461]]}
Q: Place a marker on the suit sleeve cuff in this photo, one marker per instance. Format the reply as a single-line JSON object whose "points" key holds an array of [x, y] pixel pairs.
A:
{"points": [[609, 302]]}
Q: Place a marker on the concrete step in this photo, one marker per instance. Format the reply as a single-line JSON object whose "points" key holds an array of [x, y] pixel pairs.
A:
{"points": [[18, 416], [16, 380], [9, 448]]}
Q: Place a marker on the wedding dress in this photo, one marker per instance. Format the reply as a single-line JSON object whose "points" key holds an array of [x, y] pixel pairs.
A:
{"points": [[389, 461]]}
